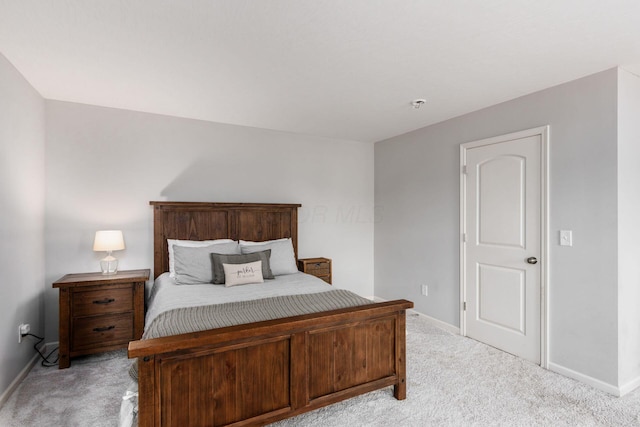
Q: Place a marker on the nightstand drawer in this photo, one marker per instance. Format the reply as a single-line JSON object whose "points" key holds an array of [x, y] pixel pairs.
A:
{"points": [[102, 301], [103, 331], [320, 269]]}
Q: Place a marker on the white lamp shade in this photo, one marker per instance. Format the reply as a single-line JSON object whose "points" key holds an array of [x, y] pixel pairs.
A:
{"points": [[108, 240]]}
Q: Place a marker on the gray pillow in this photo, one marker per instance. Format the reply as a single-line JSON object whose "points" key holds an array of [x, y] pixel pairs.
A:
{"points": [[193, 264], [219, 259], [283, 260]]}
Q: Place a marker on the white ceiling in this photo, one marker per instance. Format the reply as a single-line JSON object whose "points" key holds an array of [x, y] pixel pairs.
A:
{"points": [[338, 68]]}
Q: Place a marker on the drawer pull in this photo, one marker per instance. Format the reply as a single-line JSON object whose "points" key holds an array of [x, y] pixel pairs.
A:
{"points": [[104, 301], [104, 329]]}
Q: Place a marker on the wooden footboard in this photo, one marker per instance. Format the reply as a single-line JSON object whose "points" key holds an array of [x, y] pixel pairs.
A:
{"points": [[262, 372]]}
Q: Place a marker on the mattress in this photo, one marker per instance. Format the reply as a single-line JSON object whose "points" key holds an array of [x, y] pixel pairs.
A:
{"points": [[167, 295]]}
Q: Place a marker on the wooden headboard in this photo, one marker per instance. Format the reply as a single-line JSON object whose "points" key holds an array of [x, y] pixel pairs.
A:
{"points": [[207, 221]]}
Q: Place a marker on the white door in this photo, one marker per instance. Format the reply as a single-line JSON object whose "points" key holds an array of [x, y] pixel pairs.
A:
{"points": [[503, 197]]}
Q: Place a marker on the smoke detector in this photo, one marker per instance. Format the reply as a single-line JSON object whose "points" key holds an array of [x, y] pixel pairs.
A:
{"points": [[417, 103]]}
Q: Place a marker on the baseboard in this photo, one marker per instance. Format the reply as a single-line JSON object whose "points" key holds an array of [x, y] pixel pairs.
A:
{"points": [[21, 376], [439, 323], [586, 379], [629, 386]]}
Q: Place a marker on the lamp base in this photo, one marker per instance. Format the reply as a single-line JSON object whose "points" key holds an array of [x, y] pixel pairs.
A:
{"points": [[109, 264]]}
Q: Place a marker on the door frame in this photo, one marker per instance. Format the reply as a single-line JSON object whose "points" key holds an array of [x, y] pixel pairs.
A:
{"points": [[543, 131]]}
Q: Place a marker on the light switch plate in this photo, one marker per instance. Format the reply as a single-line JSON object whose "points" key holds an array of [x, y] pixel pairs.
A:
{"points": [[566, 238]]}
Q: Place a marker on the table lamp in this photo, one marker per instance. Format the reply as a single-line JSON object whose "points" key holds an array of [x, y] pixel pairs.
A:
{"points": [[108, 240]]}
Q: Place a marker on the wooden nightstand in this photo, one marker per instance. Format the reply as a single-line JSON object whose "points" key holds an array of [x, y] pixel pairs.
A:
{"points": [[99, 312], [319, 267]]}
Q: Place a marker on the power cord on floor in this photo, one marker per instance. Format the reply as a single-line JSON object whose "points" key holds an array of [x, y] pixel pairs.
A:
{"points": [[45, 359]]}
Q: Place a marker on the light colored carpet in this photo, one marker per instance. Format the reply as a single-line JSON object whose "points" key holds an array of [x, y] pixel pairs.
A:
{"points": [[87, 394], [452, 381]]}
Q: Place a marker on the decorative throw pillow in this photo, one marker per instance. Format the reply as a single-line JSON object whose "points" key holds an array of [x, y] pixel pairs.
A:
{"points": [[192, 244], [283, 259], [242, 274], [193, 264], [219, 259]]}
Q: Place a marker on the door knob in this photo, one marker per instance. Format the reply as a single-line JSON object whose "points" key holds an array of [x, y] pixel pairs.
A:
{"points": [[532, 260]]}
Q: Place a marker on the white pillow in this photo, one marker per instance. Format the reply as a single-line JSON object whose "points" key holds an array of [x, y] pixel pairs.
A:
{"points": [[242, 274], [283, 259], [190, 244], [250, 243], [195, 265]]}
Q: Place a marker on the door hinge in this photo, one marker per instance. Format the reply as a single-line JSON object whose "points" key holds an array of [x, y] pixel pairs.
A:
{"points": [[464, 169], [464, 237], [464, 306]]}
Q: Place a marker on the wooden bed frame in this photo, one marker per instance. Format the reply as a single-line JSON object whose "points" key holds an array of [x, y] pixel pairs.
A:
{"points": [[261, 372]]}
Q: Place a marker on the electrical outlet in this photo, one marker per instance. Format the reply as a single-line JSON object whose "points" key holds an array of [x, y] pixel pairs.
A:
{"points": [[23, 329], [425, 290]]}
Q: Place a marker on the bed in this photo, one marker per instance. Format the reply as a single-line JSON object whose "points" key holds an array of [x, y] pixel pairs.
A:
{"points": [[261, 372]]}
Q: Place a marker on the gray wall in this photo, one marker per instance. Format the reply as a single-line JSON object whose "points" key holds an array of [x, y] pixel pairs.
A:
{"points": [[21, 219], [629, 227], [104, 165], [417, 234]]}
